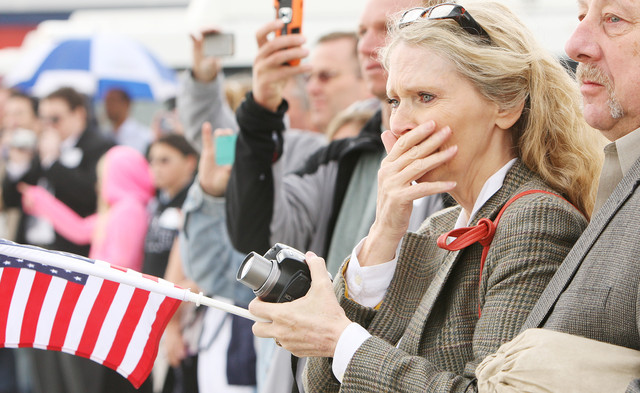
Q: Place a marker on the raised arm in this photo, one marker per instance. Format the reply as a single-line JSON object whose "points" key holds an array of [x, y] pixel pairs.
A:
{"points": [[208, 258], [38, 202], [251, 190], [201, 95]]}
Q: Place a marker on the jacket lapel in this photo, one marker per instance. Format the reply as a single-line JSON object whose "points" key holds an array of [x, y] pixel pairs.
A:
{"points": [[572, 262], [517, 176]]}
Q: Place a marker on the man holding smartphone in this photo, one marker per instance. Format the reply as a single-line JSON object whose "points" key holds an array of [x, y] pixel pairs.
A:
{"points": [[201, 97]]}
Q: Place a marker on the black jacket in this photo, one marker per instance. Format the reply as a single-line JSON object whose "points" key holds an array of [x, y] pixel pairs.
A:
{"points": [[74, 186], [310, 198]]}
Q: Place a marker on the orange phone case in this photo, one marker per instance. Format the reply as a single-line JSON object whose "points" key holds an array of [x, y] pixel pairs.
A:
{"points": [[290, 11]]}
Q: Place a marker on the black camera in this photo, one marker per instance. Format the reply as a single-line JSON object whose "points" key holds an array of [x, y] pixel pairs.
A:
{"points": [[281, 275]]}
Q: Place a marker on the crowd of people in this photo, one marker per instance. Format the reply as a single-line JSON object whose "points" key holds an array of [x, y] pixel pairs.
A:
{"points": [[442, 171]]}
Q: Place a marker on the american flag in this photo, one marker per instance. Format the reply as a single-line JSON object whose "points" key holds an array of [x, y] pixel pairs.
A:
{"points": [[63, 302]]}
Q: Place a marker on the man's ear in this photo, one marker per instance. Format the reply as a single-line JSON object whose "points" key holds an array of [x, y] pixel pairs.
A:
{"points": [[508, 117]]}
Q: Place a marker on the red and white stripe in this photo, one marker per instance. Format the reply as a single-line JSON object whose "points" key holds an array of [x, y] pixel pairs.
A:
{"points": [[114, 324]]}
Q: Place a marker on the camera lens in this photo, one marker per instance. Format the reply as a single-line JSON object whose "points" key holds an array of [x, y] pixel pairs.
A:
{"points": [[254, 271]]}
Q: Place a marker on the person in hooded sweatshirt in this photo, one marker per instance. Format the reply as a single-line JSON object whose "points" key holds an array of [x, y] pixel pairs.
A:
{"points": [[117, 230]]}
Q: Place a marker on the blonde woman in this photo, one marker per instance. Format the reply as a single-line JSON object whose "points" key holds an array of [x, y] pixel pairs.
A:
{"points": [[480, 111]]}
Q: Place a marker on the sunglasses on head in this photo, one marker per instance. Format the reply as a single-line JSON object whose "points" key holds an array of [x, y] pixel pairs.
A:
{"points": [[445, 11]]}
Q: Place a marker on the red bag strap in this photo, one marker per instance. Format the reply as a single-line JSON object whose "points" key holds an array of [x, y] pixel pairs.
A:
{"points": [[482, 233]]}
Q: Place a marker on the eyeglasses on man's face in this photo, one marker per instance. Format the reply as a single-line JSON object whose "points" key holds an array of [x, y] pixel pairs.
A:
{"points": [[322, 76], [445, 11]]}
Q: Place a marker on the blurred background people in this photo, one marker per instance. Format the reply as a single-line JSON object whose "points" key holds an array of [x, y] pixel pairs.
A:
{"points": [[68, 151], [207, 254], [226, 357], [235, 88], [173, 163], [299, 113], [348, 122], [201, 94], [21, 111], [115, 232], [166, 120], [21, 127], [125, 130], [335, 80]]}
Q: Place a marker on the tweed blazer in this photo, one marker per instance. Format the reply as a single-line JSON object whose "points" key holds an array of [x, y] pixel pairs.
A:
{"points": [[595, 293], [427, 336]]}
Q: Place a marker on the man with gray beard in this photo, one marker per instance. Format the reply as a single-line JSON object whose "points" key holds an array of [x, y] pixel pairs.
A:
{"points": [[590, 312]]}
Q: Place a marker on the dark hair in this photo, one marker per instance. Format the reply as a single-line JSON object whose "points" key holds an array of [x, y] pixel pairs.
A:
{"points": [[72, 97], [178, 142], [33, 101], [124, 95]]}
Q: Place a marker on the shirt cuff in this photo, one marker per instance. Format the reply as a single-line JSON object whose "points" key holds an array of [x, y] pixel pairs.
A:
{"points": [[368, 285], [350, 340]]}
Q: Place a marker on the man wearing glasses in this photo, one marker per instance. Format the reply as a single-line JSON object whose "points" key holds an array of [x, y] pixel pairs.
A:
{"points": [[335, 80]]}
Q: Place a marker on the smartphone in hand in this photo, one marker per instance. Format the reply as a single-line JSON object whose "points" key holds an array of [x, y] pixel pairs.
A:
{"points": [[290, 12], [226, 149], [218, 44]]}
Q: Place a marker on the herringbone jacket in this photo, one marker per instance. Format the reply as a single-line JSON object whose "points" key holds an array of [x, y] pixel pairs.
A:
{"points": [[427, 336]]}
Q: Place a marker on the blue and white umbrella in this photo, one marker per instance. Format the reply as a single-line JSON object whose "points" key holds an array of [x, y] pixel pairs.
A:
{"points": [[93, 66]]}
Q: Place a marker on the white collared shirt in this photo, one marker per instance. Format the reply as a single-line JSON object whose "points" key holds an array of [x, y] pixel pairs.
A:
{"points": [[368, 285]]}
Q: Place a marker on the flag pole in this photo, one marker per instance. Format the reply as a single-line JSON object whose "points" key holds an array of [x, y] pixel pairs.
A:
{"points": [[130, 277], [199, 298]]}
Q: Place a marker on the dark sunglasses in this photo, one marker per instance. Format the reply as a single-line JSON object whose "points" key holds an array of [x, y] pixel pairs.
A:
{"points": [[445, 11]]}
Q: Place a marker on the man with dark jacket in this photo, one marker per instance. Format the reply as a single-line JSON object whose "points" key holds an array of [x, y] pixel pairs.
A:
{"points": [[69, 150]]}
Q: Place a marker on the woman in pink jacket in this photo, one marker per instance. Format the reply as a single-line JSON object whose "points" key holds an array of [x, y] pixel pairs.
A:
{"points": [[116, 231]]}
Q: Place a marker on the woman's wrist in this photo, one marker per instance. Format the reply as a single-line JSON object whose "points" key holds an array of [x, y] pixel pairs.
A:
{"points": [[379, 247]]}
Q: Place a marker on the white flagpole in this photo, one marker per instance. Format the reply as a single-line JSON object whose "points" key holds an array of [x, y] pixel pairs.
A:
{"points": [[130, 277]]}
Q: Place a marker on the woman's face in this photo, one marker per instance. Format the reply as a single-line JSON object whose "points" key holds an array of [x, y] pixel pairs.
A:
{"points": [[169, 167], [424, 86]]}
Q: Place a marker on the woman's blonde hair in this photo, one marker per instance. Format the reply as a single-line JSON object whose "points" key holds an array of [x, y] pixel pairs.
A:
{"points": [[551, 136]]}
